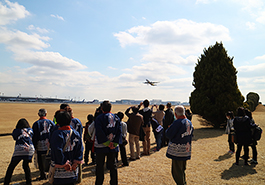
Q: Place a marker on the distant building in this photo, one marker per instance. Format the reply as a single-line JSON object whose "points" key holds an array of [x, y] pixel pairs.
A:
{"points": [[155, 102], [95, 101], [185, 103]]}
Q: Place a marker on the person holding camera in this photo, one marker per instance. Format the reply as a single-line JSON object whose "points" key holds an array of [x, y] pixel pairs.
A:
{"points": [[147, 116], [133, 125]]}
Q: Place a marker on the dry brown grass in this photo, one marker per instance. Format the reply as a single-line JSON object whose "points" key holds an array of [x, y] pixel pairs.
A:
{"points": [[210, 163]]}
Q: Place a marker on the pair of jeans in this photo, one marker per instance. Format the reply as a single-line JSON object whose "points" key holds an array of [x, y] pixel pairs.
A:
{"points": [[11, 168], [165, 140], [231, 144], [158, 141], [100, 160]]}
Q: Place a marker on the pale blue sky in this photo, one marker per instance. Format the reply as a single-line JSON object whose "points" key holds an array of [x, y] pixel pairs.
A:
{"points": [[103, 49]]}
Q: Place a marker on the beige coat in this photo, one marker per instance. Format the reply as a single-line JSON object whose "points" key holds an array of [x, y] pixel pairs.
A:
{"points": [[159, 115]]}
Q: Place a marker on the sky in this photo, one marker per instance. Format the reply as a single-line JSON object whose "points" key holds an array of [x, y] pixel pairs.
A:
{"points": [[106, 49]]}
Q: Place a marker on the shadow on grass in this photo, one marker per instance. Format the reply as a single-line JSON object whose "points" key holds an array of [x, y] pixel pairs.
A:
{"points": [[89, 171], [236, 171], [205, 133], [21, 177], [6, 134], [224, 157]]}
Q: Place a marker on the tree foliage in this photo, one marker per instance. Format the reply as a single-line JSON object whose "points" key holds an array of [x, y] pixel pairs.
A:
{"points": [[215, 82], [252, 100]]}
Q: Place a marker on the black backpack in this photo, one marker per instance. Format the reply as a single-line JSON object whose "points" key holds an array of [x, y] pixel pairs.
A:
{"points": [[257, 133]]}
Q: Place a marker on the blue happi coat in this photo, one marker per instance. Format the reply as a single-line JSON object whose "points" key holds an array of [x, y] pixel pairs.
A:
{"points": [[42, 129], [108, 129], [24, 148], [180, 136], [74, 151]]}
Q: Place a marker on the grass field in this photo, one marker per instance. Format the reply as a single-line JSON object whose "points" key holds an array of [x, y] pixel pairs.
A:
{"points": [[210, 163]]}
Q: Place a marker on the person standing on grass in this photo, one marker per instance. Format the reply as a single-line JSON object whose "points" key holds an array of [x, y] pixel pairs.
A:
{"points": [[133, 125], [63, 107], [75, 122], [24, 150], [158, 116], [89, 143], [157, 130], [243, 135], [254, 143], [168, 120], [146, 113], [188, 114], [108, 137], [98, 111], [66, 151], [77, 125], [42, 129], [230, 131], [159, 113], [124, 141], [179, 147]]}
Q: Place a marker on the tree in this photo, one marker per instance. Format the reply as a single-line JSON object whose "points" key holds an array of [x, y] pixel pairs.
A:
{"points": [[252, 100], [215, 82]]}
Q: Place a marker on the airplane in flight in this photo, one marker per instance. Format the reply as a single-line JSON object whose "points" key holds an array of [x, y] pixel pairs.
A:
{"points": [[150, 82]]}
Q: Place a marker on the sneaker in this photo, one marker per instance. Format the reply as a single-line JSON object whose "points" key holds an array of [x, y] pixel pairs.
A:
{"points": [[125, 164], [231, 152], [41, 178], [252, 161]]}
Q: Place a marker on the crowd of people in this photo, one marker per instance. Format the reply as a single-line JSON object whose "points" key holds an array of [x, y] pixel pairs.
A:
{"points": [[105, 134], [240, 130]]}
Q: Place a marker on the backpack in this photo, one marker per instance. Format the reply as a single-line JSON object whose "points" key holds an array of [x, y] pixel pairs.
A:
{"points": [[257, 133]]}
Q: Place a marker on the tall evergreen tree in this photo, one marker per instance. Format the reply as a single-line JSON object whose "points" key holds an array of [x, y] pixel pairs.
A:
{"points": [[215, 82]]}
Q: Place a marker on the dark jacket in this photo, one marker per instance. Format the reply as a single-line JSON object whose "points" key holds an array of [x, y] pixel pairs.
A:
{"points": [[242, 126], [169, 118], [108, 129], [146, 113], [134, 122]]}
